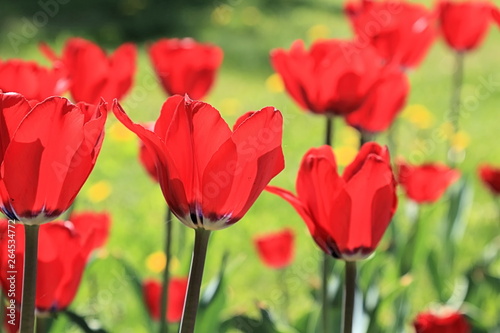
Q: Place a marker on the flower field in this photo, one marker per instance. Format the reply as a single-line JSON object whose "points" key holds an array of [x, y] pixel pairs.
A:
{"points": [[410, 216]]}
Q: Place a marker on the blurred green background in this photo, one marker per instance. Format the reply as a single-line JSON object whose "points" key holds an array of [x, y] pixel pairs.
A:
{"points": [[247, 30]]}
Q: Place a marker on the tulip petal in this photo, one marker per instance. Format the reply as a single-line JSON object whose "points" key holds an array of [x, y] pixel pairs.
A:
{"points": [[172, 183], [260, 158], [88, 69], [374, 205], [318, 168], [14, 107], [122, 68]]}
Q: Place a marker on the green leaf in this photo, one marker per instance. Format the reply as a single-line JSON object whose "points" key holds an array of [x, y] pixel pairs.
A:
{"points": [[308, 322], [265, 324], [213, 301], [82, 323], [460, 200], [136, 283]]}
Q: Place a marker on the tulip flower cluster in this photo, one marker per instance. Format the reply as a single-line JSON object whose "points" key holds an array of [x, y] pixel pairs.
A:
{"points": [[211, 174]]}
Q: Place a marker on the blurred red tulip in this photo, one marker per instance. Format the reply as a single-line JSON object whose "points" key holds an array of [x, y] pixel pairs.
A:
{"points": [[464, 23], [490, 177], [94, 75], [276, 250], [347, 216], [185, 66], [32, 80], [402, 32], [328, 79], [452, 322], [63, 251], [386, 99], [210, 176], [176, 294], [426, 183], [48, 150], [496, 15]]}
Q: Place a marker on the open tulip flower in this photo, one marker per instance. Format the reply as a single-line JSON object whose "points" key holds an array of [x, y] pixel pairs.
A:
{"points": [[491, 178], [210, 176], [48, 150], [276, 250], [402, 32], [464, 24], [329, 78], [33, 81], [346, 215], [451, 322], [64, 249], [386, 99], [94, 75], [426, 183], [185, 66], [176, 294]]}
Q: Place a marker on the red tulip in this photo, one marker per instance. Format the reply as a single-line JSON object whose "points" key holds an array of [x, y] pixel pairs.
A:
{"points": [[453, 322], [346, 215], [210, 176], [63, 251], [496, 15], [32, 80], [276, 249], [185, 66], [175, 304], [47, 152], [426, 183], [491, 178], [386, 99], [464, 24], [328, 79], [402, 32], [94, 75], [147, 158]]}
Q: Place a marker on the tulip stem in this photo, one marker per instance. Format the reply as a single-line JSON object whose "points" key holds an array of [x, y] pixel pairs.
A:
{"points": [[324, 293], [365, 137], [195, 276], [166, 272], [454, 116], [392, 139], [284, 290], [43, 324], [350, 288], [29, 280], [329, 131]]}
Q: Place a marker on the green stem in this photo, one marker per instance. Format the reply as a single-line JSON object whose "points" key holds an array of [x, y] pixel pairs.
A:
{"points": [[409, 254], [43, 324], [329, 131], [497, 202], [350, 288], [284, 290], [392, 138], [29, 280], [365, 137], [454, 116], [195, 276], [324, 294], [166, 272], [324, 266]]}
